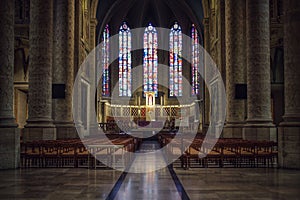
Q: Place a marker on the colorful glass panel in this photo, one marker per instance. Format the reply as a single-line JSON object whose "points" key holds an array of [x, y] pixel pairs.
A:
{"points": [[105, 62], [150, 61], [175, 84], [195, 61], [125, 61]]}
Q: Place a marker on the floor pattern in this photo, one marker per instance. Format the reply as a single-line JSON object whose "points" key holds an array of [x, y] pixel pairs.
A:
{"points": [[150, 185], [167, 183]]}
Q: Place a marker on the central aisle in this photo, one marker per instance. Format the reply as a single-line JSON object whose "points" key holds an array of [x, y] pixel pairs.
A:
{"points": [[152, 185]]}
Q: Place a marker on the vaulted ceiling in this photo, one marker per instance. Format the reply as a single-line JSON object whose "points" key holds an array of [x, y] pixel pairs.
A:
{"points": [[139, 13]]}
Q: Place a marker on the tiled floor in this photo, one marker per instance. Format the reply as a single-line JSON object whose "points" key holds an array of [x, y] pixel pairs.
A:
{"points": [[231, 183], [151, 185], [201, 184], [57, 184], [212, 183]]}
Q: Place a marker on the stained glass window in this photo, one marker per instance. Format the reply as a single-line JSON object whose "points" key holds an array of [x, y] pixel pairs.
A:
{"points": [[105, 62], [150, 59], [124, 61], [175, 83], [195, 61]]}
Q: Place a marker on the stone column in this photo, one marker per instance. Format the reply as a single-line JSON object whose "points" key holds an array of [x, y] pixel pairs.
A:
{"points": [[93, 77], [63, 66], [40, 124], [93, 27], [9, 133], [289, 130], [235, 27], [259, 122], [206, 109]]}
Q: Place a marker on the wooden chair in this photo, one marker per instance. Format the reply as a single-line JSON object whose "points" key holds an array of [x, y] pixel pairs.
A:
{"points": [[50, 154], [33, 154]]}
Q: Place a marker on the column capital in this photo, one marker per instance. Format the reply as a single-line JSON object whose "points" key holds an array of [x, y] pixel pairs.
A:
{"points": [[93, 22], [205, 21]]}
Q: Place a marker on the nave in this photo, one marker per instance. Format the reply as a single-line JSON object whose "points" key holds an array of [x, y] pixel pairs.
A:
{"points": [[56, 95]]}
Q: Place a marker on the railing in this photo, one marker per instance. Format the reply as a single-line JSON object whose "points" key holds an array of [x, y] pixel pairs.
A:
{"points": [[171, 111]]}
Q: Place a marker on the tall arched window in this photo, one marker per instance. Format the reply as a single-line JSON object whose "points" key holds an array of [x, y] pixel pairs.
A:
{"points": [[124, 61], [175, 61], [195, 61], [150, 60], [105, 62]]}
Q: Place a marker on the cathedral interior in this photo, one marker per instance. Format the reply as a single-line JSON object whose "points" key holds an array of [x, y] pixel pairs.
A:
{"points": [[149, 99]]}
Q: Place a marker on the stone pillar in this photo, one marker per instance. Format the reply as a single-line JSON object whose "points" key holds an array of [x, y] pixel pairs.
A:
{"points": [[289, 130], [259, 121], [40, 124], [9, 133], [63, 66], [93, 27], [93, 77], [206, 109], [235, 13]]}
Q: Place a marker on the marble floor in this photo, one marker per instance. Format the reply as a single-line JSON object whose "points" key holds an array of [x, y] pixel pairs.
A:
{"points": [[164, 184], [242, 183], [201, 184], [57, 183], [151, 185]]}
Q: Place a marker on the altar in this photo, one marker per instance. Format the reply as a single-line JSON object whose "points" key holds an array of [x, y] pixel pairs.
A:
{"points": [[150, 106], [146, 132]]}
